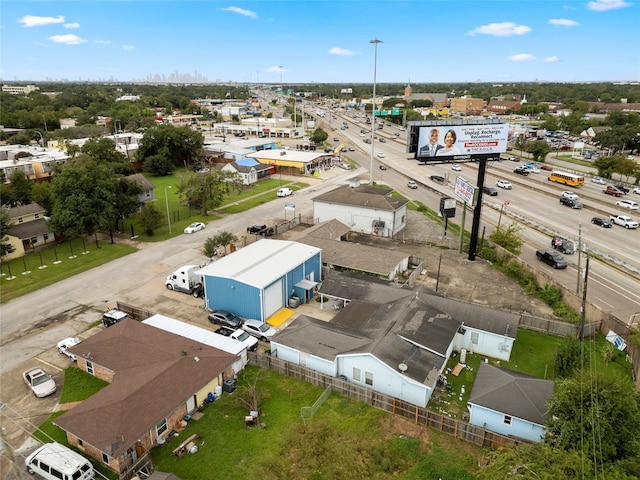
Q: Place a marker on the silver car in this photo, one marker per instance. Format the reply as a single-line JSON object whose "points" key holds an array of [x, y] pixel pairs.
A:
{"points": [[259, 329], [40, 382]]}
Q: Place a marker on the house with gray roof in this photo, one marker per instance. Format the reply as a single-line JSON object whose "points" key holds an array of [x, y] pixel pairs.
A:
{"points": [[364, 208], [509, 403], [28, 229]]}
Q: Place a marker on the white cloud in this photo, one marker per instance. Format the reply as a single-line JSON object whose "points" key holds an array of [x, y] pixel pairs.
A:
{"points": [[552, 59], [604, 5], [35, 21], [72, 25], [276, 69], [241, 11], [128, 48], [563, 22], [521, 57], [504, 29], [68, 39], [343, 52], [102, 42]]}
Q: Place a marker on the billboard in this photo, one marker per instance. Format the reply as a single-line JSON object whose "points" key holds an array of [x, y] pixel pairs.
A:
{"points": [[437, 142]]}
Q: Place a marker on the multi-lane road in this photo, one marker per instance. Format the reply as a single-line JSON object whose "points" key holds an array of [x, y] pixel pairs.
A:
{"points": [[534, 203]]}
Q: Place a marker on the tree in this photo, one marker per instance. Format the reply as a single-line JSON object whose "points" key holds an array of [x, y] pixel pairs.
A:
{"points": [[568, 357], [595, 408], [21, 187], [83, 199], [210, 247], [206, 191], [225, 239], [5, 246], [181, 145], [158, 165], [105, 152], [150, 219], [319, 136], [41, 194], [539, 149], [126, 201], [508, 238]]}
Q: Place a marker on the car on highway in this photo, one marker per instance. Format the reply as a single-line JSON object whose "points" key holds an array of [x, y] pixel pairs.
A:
{"points": [[336, 139], [383, 166], [226, 319], [563, 245], [456, 167], [351, 149], [194, 227], [259, 329], [436, 178], [412, 184], [492, 192], [380, 154], [598, 180], [551, 258], [65, 344], [601, 222], [569, 194], [504, 184], [622, 188], [382, 140], [630, 204], [570, 202], [40, 382], [521, 171], [611, 190], [547, 168]]}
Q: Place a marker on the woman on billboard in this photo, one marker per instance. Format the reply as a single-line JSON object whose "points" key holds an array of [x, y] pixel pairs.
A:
{"points": [[449, 148]]}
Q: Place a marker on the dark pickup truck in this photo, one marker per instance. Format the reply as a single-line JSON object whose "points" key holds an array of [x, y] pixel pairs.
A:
{"points": [[260, 230]]}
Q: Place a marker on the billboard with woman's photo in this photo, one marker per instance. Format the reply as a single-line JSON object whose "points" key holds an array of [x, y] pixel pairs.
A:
{"points": [[437, 142]]}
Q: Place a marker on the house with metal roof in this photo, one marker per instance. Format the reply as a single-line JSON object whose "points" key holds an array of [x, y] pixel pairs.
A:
{"points": [[510, 403], [260, 279], [155, 379], [364, 208]]}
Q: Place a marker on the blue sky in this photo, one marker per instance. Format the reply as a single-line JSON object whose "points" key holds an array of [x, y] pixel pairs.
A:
{"points": [[322, 41]]}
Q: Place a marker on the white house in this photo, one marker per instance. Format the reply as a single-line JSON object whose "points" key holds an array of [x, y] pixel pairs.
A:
{"points": [[509, 403], [364, 208]]}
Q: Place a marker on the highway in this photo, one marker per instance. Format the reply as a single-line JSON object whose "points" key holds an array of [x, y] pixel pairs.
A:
{"points": [[533, 203]]}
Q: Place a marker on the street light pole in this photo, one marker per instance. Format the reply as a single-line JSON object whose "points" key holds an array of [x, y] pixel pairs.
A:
{"points": [[375, 42], [166, 199], [41, 138]]}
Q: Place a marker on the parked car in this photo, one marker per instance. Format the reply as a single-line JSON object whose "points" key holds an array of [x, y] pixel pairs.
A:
{"points": [[521, 171], [65, 344], [551, 258], [563, 245], [412, 184], [113, 316], [630, 204], [504, 184], [260, 230], [569, 194], [601, 222], [259, 329], [569, 202], [492, 192], [598, 180], [456, 167], [40, 382], [194, 227], [284, 192], [226, 319], [611, 190]]}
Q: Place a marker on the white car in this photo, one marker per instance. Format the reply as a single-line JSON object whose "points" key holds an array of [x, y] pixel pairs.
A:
{"points": [[40, 382], [630, 204], [504, 184], [194, 227], [636, 190], [259, 329], [569, 194], [412, 184], [599, 181], [456, 167], [381, 154], [66, 344]]}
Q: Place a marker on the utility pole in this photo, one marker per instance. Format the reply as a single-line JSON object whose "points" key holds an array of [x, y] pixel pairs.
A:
{"points": [[579, 252], [10, 453]]}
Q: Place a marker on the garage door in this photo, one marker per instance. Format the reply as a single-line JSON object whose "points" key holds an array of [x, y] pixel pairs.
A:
{"points": [[273, 298]]}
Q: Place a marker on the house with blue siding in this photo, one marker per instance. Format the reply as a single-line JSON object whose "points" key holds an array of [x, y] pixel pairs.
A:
{"points": [[509, 403], [260, 279]]}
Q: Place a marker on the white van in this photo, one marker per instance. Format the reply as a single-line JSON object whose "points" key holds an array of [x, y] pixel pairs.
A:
{"points": [[284, 192], [54, 461]]}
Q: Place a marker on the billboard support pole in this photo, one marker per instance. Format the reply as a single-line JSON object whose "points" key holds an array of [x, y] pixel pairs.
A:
{"points": [[464, 216], [473, 244]]}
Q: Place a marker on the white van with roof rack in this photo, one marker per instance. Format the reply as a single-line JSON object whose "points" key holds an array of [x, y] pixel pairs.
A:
{"points": [[54, 461]]}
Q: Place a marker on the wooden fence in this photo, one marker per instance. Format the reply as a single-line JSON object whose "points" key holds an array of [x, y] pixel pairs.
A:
{"points": [[419, 415]]}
